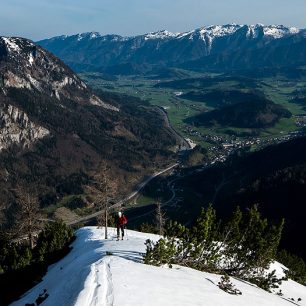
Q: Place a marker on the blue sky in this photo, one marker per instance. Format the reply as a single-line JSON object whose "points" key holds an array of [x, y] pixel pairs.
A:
{"points": [[37, 19]]}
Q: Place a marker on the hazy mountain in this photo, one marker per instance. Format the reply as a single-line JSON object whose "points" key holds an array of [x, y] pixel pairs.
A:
{"points": [[55, 132], [212, 47]]}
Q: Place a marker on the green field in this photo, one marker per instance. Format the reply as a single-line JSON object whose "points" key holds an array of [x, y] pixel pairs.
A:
{"points": [[279, 90]]}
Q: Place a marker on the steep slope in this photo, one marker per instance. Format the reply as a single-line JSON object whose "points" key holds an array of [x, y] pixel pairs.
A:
{"points": [[288, 51], [109, 272], [55, 133], [130, 55], [274, 178]]}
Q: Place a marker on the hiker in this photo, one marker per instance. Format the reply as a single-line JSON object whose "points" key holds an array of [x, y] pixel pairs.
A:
{"points": [[121, 222]]}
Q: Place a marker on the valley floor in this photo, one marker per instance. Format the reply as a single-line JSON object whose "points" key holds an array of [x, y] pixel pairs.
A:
{"points": [[111, 273]]}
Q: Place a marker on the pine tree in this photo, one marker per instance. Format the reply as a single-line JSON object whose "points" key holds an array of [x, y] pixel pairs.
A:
{"points": [[226, 285], [53, 238], [160, 253], [253, 243], [205, 246], [244, 248]]}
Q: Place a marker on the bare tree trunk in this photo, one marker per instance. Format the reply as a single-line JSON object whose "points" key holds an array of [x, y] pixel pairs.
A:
{"points": [[30, 235], [106, 219], [28, 212], [31, 241], [160, 218], [103, 188]]}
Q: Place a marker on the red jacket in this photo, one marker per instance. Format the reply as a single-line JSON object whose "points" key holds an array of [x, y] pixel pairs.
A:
{"points": [[122, 220]]}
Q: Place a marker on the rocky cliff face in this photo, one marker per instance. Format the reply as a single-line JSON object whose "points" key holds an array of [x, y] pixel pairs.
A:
{"points": [[23, 65], [16, 128]]}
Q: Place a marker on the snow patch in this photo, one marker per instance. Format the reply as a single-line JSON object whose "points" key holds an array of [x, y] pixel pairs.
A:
{"points": [[31, 59], [182, 35], [94, 35], [89, 35], [164, 34], [279, 31], [215, 31], [11, 44], [273, 31]]}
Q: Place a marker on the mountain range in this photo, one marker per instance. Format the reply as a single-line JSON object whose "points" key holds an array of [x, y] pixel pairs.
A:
{"points": [[219, 47]]}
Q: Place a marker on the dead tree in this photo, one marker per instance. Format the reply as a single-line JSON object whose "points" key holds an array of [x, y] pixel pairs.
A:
{"points": [[27, 214], [103, 189]]}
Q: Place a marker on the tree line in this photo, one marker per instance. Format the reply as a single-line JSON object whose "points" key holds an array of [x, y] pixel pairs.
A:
{"points": [[23, 265], [243, 247]]}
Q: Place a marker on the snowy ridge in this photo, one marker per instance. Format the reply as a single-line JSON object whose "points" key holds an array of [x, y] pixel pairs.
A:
{"points": [[207, 34], [279, 31], [164, 34], [88, 35], [212, 32], [11, 44], [253, 31], [110, 272], [218, 30]]}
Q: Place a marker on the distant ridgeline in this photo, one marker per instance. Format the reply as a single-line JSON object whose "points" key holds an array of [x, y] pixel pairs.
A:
{"points": [[217, 48]]}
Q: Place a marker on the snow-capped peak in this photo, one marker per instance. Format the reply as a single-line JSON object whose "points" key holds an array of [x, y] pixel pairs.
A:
{"points": [[273, 31], [88, 35], [219, 30], [279, 31], [206, 33], [164, 34], [11, 44]]}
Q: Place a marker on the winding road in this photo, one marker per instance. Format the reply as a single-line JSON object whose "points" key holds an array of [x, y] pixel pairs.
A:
{"points": [[184, 146], [129, 197]]}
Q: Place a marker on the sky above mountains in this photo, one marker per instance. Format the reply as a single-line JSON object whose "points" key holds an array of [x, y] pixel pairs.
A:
{"points": [[38, 19]]}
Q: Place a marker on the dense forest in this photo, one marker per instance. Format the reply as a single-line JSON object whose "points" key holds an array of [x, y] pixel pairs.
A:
{"points": [[274, 178]]}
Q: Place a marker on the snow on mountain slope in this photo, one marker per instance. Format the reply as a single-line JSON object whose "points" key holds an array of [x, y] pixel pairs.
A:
{"points": [[110, 272], [115, 54], [164, 34], [279, 31], [219, 31], [212, 31]]}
